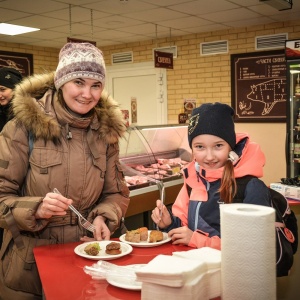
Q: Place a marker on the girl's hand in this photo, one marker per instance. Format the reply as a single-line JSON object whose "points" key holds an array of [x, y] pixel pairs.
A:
{"points": [[164, 220], [181, 235], [53, 205]]}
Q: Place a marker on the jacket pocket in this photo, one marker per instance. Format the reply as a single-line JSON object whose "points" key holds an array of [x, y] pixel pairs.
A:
{"points": [[100, 163], [20, 270], [122, 186], [45, 157]]}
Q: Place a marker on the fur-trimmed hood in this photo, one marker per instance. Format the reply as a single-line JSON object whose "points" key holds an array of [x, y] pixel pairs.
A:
{"points": [[33, 106]]}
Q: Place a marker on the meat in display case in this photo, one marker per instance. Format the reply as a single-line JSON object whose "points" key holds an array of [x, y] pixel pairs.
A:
{"points": [[151, 154]]}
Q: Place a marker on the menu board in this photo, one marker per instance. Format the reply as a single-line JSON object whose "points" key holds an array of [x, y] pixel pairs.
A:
{"points": [[258, 86]]}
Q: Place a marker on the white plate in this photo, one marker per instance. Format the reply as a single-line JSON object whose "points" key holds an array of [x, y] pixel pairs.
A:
{"points": [[79, 250], [126, 283], [146, 244]]}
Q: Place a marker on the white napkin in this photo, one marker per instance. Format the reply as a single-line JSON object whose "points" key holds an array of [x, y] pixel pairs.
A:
{"points": [[195, 289], [171, 271], [212, 258]]}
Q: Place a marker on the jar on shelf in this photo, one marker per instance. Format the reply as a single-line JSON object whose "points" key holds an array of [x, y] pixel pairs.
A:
{"points": [[182, 117]]}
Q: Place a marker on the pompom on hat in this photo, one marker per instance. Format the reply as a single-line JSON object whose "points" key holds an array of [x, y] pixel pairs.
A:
{"points": [[9, 77], [79, 60], [215, 119]]}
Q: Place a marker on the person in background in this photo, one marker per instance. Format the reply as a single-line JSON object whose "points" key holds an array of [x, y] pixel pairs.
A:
{"points": [[64, 135], [219, 157], [9, 77]]}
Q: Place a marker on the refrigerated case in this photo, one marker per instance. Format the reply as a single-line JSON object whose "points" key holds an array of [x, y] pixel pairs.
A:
{"points": [[145, 149], [293, 108], [154, 153]]}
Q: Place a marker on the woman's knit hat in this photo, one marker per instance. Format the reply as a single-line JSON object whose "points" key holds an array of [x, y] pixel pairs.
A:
{"points": [[9, 77], [79, 60], [215, 119]]}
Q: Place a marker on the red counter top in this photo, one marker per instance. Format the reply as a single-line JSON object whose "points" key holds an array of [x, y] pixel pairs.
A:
{"points": [[293, 202], [62, 275]]}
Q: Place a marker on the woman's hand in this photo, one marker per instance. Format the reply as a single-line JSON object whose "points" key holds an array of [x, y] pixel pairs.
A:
{"points": [[164, 220], [181, 235], [53, 205], [101, 233]]}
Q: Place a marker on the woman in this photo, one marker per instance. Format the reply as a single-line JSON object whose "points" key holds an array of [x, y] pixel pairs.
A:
{"points": [[64, 135], [220, 157], [9, 77]]}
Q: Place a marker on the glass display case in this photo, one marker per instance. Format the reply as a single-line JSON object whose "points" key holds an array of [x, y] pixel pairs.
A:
{"points": [[152, 154], [152, 157]]}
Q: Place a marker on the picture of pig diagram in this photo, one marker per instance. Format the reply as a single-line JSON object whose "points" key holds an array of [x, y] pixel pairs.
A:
{"points": [[259, 86], [267, 93]]}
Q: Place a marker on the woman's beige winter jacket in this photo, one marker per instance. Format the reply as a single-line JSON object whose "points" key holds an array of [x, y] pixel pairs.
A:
{"points": [[78, 156]]}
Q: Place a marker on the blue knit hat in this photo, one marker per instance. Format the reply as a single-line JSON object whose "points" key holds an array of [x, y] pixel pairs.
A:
{"points": [[215, 119]]}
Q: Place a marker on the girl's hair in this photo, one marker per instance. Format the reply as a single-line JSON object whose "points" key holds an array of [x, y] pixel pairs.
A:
{"points": [[228, 184]]}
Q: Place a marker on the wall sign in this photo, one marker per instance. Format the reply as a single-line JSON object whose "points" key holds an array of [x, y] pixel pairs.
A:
{"points": [[73, 40], [163, 60], [133, 110], [292, 49], [23, 62], [258, 86]]}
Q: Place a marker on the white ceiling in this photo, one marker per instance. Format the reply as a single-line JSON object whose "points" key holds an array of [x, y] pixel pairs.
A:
{"points": [[113, 22]]}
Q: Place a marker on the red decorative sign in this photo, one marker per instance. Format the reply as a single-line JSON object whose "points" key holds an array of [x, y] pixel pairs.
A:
{"points": [[292, 49], [163, 60]]}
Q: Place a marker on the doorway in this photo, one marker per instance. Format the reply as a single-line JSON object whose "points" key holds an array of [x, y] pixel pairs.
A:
{"points": [[146, 85]]}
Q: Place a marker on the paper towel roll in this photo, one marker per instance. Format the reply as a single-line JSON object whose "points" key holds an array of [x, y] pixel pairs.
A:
{"points": [[248, 254]]}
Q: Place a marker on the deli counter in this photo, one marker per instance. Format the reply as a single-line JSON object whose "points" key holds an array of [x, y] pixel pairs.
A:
{"points": [[152, 157]]}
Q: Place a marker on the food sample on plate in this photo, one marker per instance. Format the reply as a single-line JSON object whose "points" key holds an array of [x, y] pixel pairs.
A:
{"points": [[113, 248], [137, 235], [92, 249], [141, 235], [133, 236], [155, 236]]}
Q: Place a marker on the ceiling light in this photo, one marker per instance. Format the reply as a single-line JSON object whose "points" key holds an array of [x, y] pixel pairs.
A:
{"points": [[279, 4], [10, 29]]}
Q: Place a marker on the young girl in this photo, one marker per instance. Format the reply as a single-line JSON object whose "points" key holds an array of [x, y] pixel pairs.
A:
{"points": [[219, 157]]}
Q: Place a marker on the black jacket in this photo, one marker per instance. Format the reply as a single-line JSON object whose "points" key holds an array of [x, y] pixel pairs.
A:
{"points": [[4, 115]]}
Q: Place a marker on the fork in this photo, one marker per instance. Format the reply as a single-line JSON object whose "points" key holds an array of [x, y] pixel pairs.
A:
{"points": [[161, 188], [159, 183], [82, 221]]}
